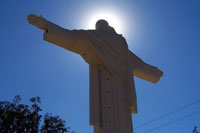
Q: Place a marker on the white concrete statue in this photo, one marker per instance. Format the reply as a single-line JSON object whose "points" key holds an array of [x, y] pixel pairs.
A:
{"points": [[112, 67]]}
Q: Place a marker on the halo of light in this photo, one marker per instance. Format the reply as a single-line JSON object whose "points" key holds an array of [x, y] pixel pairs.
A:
{"points": [[111, 18], [117, 17]]}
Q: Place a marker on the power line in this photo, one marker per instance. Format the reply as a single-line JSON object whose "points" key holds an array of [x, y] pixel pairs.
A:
{"points": [[163, 116], [172, 122]]}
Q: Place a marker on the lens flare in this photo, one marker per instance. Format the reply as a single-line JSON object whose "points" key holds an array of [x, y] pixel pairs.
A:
{"points": [[111, 18]]}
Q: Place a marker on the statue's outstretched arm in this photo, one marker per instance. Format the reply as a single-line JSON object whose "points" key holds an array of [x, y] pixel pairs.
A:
{"points": [[55, 34], [143, 70]]}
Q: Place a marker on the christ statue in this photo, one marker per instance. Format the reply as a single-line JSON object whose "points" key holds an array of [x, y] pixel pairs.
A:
{"points": [[112, 67]]}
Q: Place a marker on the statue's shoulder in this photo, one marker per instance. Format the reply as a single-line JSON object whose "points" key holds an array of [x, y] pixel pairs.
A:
{"points": [[121, 36], [89, 33]]}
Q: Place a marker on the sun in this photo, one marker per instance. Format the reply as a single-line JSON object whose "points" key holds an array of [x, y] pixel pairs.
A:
{"points": [[112, 19]]}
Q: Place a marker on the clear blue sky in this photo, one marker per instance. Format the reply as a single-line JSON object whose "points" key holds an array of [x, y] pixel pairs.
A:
{"points": [[164, 33]]}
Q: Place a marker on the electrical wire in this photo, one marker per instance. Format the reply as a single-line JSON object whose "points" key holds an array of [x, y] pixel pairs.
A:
{"points": [[170, 113], [172, 121]]}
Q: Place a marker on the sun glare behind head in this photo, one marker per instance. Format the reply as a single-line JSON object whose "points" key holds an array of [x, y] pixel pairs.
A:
{"points": [[112, 19]]}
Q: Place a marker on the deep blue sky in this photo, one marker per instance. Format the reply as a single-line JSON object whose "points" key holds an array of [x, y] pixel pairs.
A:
{"points": [[164, 33]]}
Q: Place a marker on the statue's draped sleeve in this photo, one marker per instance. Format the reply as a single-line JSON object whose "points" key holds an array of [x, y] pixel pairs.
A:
{"points": [[143, 70], [68, 39]]}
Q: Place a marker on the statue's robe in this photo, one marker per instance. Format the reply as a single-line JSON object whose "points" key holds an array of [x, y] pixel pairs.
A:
{"points": [[112, 66]]}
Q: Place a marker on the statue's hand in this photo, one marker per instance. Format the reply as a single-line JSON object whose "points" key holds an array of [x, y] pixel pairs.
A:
{"points": [[37, 21]]}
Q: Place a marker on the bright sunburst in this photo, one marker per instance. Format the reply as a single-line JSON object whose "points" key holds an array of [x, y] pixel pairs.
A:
{"points": [[112, 19]]}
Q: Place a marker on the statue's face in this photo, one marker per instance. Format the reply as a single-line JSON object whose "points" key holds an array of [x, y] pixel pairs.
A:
{"points": [[102, 25]]}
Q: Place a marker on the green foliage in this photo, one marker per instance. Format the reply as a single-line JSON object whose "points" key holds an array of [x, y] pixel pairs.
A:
{"points": [[53, 123], [19, 118]]}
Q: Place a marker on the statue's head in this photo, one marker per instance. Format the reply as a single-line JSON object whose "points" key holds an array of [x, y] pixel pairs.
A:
{"points": [[104, 26]]}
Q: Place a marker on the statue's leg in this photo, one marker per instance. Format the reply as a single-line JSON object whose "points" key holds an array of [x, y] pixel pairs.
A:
{"points": [[114, 115]]}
